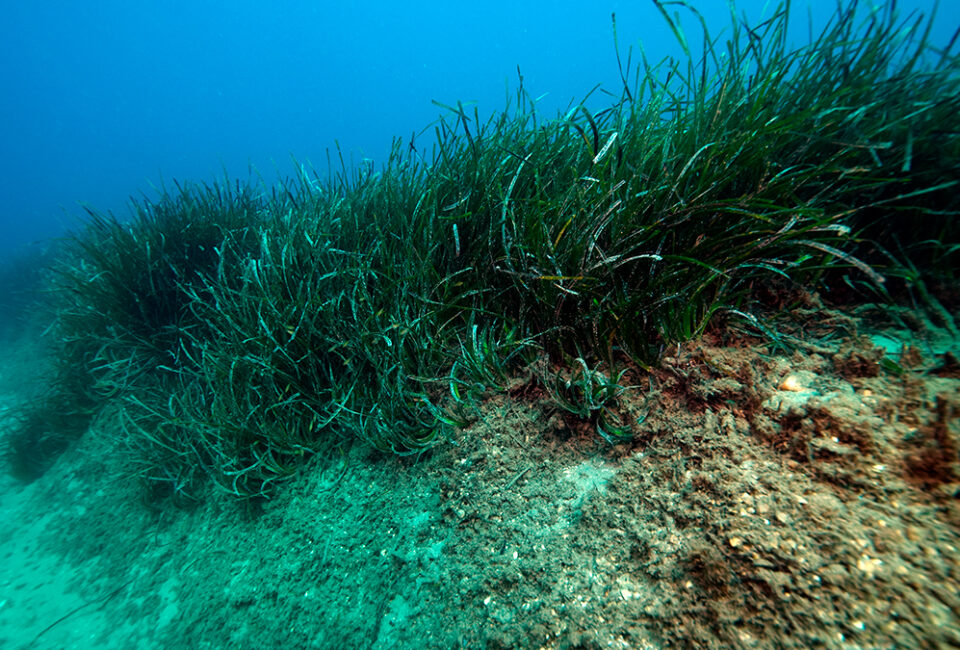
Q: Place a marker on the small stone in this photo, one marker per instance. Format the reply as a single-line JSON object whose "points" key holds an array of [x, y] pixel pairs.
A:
{"points": [[792, 384]]}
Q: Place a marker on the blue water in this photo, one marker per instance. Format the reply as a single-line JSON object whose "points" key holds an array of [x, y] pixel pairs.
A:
{"points": [[107, 99]]}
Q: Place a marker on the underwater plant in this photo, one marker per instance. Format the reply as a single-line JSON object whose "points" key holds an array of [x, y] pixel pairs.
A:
{"points": [[238, 329]]}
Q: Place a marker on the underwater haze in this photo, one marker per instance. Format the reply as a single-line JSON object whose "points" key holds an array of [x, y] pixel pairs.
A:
{"points": [[339, 354], [107, 100]]}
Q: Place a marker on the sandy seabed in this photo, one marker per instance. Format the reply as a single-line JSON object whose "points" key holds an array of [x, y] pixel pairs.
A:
{"points": [[770, 499]]}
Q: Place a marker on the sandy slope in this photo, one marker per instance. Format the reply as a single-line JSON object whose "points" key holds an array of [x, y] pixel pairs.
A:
{"points": [[747, 513]]}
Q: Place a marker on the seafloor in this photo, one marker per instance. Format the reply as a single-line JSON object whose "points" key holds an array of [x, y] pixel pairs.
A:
{"points": [[773, 499]]}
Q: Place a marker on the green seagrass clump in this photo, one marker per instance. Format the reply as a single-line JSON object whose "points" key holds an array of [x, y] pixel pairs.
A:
{"points": [[239, 329]]}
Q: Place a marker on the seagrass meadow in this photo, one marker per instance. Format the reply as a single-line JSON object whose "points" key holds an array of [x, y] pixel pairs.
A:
{"points": [[681, 371], [235, 329]]}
